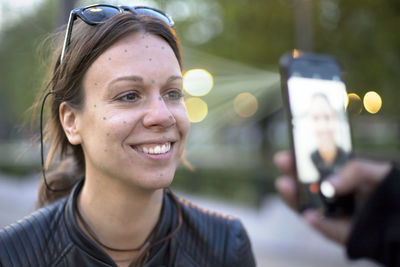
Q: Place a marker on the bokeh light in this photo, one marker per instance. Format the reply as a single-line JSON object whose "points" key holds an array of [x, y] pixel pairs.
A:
{"points": [[245, 105], [372, 102], [354, 105], [196, 108], [327, 189], [296, 53], [198, 82]]}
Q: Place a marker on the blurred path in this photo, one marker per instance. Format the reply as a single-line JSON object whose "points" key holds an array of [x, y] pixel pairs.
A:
{"points": [[17, 198], [279, 237]]}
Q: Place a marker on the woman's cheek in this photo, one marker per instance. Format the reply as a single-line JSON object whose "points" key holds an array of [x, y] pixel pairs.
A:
{"points": [[119, 125]]}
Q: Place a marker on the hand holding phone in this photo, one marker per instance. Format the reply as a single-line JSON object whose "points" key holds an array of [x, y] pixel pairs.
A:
{"points": [[315, 97], [359, 176]]}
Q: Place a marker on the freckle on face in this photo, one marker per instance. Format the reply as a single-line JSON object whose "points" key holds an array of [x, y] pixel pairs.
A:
{"points": [[104, 118]]}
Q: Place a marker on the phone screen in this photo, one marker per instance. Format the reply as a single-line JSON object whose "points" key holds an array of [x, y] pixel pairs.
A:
{"points": [[321, 132]]}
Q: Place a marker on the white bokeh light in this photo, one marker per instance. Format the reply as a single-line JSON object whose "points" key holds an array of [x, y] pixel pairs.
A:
{"points": [[198, 82]]}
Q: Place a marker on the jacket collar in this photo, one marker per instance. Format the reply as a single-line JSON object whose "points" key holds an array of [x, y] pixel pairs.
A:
{"points": [[166, 224], [76, 233], [162, 254]]}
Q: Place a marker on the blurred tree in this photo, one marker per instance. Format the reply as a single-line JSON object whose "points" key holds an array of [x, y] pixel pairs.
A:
{"points": [[22, 66], [254, 32], [362, 36]]}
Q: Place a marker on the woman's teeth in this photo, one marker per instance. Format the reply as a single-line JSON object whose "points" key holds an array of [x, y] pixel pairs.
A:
{"points": [[154, 149]]}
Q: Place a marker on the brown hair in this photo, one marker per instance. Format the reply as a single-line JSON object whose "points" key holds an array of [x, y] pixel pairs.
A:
{"points": [[87, 43]]}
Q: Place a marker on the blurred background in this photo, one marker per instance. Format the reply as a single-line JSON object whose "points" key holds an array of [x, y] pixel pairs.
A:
{"points": [[231, 54]]}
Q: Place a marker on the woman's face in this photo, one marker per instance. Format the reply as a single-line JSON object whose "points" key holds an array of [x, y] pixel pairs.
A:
{"points": [[323, 117], [134, 123]]}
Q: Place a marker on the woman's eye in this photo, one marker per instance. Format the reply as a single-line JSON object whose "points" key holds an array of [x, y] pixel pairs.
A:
{"points": [[129, 97], [174, 95]]}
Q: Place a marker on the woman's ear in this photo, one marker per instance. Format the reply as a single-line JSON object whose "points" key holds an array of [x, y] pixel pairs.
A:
{"points": [[69, 123]]}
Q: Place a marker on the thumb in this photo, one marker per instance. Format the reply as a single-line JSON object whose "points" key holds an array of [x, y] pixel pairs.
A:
{"points": [[359, 173]]}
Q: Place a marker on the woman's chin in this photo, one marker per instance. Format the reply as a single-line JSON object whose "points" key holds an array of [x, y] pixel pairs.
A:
{"points": [[156, 181]]}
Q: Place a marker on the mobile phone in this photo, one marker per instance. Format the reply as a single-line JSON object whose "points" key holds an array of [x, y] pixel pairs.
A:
{"points": [[315, 100]]}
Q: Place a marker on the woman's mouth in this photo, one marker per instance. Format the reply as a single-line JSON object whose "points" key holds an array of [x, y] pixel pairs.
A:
{"points": [[153, 149], [157, 151]]}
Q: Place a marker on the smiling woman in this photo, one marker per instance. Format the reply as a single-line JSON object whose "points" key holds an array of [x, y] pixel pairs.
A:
{"points": [[117, 131], [125, 92]]}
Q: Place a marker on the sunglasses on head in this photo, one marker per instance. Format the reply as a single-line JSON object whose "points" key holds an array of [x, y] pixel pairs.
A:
{"points": [[98, 14]]}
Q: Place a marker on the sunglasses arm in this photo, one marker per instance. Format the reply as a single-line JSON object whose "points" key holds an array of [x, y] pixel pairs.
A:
{"points": [[72, 17]]}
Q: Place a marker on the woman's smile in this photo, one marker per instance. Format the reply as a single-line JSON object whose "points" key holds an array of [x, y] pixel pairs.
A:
{"points": [[154, 149], [159, 149]]}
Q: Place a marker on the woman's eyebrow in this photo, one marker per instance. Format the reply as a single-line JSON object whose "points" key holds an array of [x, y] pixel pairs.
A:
{"points": [[173, 78], [134, 78], [139, 79]]}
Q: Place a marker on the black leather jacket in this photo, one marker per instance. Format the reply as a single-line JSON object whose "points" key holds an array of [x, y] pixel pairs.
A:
{"points": [[51, 237]]}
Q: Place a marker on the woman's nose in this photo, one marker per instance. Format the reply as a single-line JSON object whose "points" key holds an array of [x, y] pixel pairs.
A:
{"points": [[158, 114]]}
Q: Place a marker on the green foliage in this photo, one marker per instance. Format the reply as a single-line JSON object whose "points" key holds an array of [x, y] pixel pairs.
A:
{"points": [[19, 170], [362, 35], [240, 185], [366, 43], [254, 32], [21, 68]]}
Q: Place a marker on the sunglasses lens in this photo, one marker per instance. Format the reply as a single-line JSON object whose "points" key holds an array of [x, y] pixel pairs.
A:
{"points": [[99, 14], [153, 13]]}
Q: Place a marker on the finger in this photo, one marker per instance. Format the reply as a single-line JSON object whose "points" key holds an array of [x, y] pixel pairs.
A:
{"points": [[284, 161], [359, 173], [286, 186], [337, 230]]}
